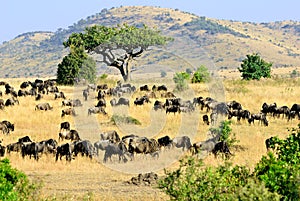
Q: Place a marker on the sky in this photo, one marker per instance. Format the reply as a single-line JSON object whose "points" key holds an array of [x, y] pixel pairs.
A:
{"points": [[21, 16]]}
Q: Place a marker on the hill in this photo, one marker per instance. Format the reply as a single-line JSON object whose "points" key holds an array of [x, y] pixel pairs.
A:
{"points": [[218, 44]]}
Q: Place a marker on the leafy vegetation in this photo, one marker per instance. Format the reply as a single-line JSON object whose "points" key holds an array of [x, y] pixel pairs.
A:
{"points": [[181, 81], [201, 75], [275, 177], [110, 41], [254, 68], [14, 184], [124, 120]]}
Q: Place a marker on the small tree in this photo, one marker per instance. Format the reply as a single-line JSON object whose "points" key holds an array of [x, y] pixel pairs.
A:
{"points": [[163, 73], [201, 75], [254, 67], [180, 80]]}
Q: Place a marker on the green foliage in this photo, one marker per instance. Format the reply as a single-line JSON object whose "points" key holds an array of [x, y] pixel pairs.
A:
{"points": [[14, 184], [193, 181], [201, 75], [189, 71], [280, 170], [124, 120], [88, 70], [163, 73], [180, 80], [254, 68], [69, 68], [103, 76]]}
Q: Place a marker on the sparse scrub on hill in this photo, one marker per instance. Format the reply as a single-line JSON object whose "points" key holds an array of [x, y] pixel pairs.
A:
{"points": [[181, 81], [201, 75]]}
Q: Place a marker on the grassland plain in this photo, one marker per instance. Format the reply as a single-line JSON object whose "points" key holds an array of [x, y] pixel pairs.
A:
{"points": [[85, 179]]}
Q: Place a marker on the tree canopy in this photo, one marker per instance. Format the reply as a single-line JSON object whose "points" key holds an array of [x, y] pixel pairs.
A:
{"points": [[254, 67], [118, 46]]}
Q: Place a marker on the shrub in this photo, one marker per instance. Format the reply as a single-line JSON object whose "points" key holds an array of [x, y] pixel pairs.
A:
{"points": [[14, 184], [124, 119], [163, 73], [201, 75], [254, 67], [180, 80]]}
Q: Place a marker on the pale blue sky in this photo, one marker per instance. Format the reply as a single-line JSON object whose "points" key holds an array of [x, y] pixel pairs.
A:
{"points": [[21, 16]]}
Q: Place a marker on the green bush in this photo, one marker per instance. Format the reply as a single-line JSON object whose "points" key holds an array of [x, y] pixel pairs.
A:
{"points": [[14, 184], [180, 80], [254, 68], [201, 75], [124, 119]]}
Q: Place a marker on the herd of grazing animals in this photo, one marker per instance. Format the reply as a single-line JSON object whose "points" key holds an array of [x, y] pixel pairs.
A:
{"points": [[126, 147]]}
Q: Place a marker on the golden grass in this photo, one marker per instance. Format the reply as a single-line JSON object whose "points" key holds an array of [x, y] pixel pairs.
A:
{"points": [[82, 177]]}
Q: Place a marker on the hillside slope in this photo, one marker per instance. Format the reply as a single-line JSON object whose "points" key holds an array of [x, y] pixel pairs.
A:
{"points": [[219, 44]]}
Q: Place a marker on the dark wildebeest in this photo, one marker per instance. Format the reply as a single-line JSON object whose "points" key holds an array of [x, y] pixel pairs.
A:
{"points": [[85, 147], [23, 85], [113, 136], [59, 95], [271, 143], [64, 150], [24, 139], [43, 106], [17, 147], [101, 103], [101, 94], [11, 101], [65, 126], [101, 144], [102, 87], [29, 148], [143, 145], [85, 94], [121, 101], [183, 142], [261, 117], [173, 108], [115, 149], [69, 135], [38, 97], [164, 141], [296, 109], [96, 110], [2, 150], [205, 119], [144, 88], [141, 100], [9, 125], [162, 88], [158, 105], [221, 147], [68, 111], [4, 128]]}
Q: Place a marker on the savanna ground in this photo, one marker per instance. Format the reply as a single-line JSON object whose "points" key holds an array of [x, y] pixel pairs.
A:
{"points": [[91, 179]]}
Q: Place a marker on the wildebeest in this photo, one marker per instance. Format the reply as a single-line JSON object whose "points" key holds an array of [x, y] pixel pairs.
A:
{"points": [[16, 147], [261, 117], [68, 111], [102, 86], [69, 135], [115, 149], [205, 119], [43, 106], [162, 88], [24, 139], [296, 108], [183, 142], [65, 126], [168, 95], [11, 101], [85, 147], [96, 110], [85, 94], [143, 145], [141, 100], [164, 141], [72, 103], [2, 150], [173, 108], [9, 125], [59, 95], [101, 144], [112, 135], [221, 147], [64, 150], [29, 148], [38, 97], [158, 105], [144, 88], [101, 103], [121, 101], [4, 128]]}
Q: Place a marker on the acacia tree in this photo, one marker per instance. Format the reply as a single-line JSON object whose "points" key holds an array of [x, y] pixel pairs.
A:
{"points": [[254, 67], [117, 46]]}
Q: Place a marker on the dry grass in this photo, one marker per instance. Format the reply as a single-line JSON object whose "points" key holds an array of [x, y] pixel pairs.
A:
{"points": [[83, 178]]}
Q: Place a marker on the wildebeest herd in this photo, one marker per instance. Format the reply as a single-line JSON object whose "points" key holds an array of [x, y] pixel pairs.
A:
{"points": [[127, 146]]}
